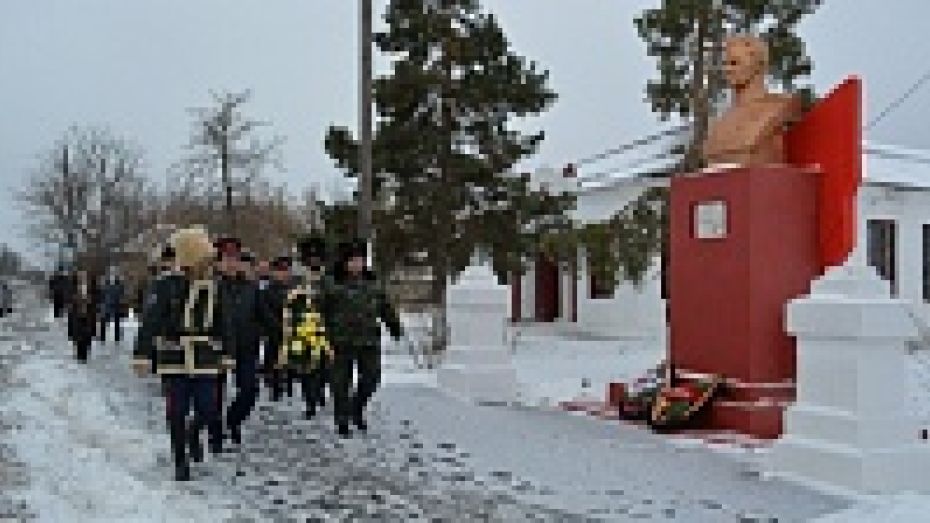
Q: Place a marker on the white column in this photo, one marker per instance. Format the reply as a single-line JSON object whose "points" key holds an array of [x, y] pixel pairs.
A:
{"points": [[851, 427]]}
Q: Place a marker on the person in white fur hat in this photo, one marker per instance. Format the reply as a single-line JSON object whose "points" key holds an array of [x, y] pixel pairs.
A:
{"points": [[180, 339]]}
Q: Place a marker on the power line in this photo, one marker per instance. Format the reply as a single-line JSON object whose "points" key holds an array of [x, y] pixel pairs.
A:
{"points": [[646, 140], [664, 155], [901, 99]]}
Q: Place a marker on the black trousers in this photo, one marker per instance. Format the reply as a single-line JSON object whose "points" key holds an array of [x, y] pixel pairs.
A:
{"points": [[198, 423], [105, 320], [182, 392], [276, 379], [82, 348], [367, 360], [246, 376], [313, 383]]}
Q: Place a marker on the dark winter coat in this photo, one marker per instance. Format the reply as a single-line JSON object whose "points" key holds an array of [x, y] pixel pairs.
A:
{"points": [[351, 309], [239, 301], [162, 332], [112, 298], [271, 307], [82, 315]]}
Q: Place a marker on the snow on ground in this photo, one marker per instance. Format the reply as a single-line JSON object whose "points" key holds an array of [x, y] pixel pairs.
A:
{"points": [[897, 508], [555, 369], [86, 459], [91, 444], [88, 443]]}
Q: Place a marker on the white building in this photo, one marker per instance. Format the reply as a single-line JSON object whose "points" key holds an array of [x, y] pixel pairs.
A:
{"points": [[894, 236]]}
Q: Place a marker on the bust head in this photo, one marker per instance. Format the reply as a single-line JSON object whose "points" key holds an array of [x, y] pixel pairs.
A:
{"points": [[745, 60]]}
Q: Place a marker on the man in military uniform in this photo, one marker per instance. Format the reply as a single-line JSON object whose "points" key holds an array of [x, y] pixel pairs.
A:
{"points": [[180, 339], [353, 302], [239, 302], [312, 252], [272, 307]]}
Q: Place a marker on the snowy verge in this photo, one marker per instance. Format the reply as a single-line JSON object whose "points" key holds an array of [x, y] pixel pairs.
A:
{"points": [[84, 462]]}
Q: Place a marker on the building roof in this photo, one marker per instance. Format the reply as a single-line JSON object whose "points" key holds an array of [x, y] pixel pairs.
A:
{"points": [[895, 166], [881, 165]]}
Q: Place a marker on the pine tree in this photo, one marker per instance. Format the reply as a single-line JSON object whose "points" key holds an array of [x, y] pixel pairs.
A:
{"points": [[443, 150]]}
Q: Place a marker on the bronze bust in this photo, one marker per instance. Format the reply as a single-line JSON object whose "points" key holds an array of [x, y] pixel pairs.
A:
{"points": [[751, 131]]}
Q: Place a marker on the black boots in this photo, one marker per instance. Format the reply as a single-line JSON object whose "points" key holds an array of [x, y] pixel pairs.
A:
{"points": [[235, 434], [343, 429], [182, 472], [193, 443], [358, 414], [179, 450], [359, 421]]}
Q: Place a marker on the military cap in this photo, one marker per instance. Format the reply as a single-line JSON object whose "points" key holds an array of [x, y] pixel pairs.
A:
{"points": [[281, 263], [228, 246], [353, 248], [311, 247], [247, 256]]}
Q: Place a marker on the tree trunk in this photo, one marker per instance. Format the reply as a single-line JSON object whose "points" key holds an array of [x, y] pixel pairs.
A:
{"points": [[701, 109], [439, 328]]}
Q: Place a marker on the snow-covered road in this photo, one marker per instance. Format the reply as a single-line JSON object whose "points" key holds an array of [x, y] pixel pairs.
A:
{"points": [[88, 443]]}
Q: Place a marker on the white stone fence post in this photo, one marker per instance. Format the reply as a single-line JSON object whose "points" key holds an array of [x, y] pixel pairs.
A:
{"points": [[851, 427], [478, 365]]}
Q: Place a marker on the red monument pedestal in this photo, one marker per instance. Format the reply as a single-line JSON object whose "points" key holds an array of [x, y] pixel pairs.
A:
{"points": [[744, 242]]}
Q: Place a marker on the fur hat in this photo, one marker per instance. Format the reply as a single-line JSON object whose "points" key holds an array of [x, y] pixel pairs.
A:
{"points": [[281, 263], [192, 247], [352, 249], [311, 247]]}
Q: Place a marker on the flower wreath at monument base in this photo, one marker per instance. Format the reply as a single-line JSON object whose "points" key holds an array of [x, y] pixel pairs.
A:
{"points": [[640, 395], [677, 405], [665, 403]]}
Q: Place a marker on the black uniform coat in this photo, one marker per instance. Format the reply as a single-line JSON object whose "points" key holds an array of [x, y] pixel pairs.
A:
{"points": [[163, 320], [239, 301], [271, 307]]}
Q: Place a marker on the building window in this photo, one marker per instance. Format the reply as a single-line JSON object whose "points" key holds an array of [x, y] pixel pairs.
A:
{"points": [[601, 289], [882, 250], [926, 262]]}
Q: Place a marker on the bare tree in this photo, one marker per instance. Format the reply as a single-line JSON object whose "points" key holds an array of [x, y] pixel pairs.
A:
{"points": [[89, 195], [223, 148]]}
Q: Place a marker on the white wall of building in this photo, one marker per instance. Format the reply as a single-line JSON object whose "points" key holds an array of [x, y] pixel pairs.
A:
{"points": [[897, 187], [909, 207]]}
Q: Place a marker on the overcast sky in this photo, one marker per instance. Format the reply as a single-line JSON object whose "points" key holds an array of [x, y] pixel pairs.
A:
{"points": [[135, 65]]}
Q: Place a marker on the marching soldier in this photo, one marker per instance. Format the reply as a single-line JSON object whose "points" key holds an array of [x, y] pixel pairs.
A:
{"points": [[353, 302], [181, 339], [228, 251], [305, 351], [272, 307], [312, 253], [239, 301]]}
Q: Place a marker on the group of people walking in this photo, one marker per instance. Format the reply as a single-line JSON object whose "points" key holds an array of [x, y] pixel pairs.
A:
{"points": [[90, 304], [210, 305]]}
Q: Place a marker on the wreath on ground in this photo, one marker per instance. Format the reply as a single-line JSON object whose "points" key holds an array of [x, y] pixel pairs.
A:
{"points": [[640, 395], [677, 405]]}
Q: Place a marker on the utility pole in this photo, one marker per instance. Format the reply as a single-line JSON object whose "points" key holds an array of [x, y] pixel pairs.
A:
{"points": [[365, 88]]}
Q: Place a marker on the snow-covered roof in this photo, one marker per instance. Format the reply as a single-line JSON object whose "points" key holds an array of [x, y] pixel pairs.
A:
{"points": [[898, 166]]}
